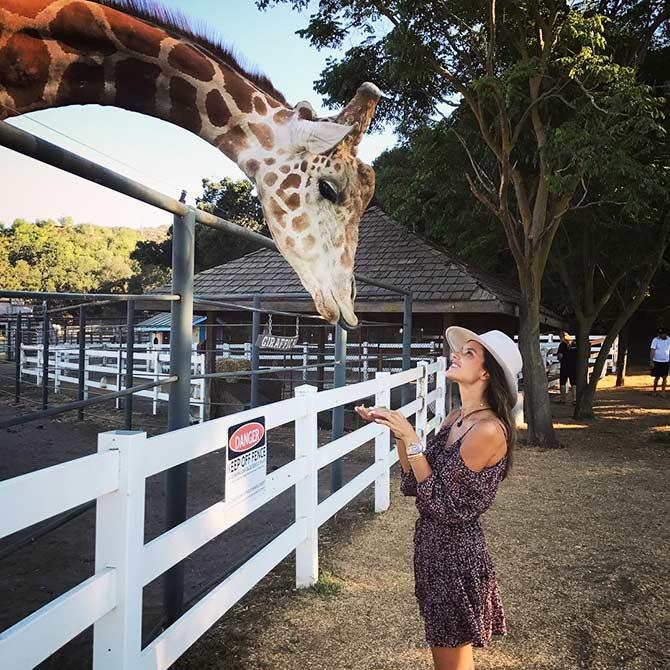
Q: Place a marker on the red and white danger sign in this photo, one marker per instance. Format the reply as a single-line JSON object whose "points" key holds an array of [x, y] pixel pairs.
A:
{"points": [[246, 460]]}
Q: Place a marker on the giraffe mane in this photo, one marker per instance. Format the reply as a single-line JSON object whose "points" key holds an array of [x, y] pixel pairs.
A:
{"points": [[201, 34]]}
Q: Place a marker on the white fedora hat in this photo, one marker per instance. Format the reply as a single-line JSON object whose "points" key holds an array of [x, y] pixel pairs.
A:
{"points": [[500, 346]]}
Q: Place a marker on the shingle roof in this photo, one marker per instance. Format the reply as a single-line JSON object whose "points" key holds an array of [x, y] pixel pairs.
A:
{"points": [[386, 251]]}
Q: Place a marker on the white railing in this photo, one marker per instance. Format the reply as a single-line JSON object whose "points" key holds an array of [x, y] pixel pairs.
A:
{"points": [[111, 600], [105, 370]]}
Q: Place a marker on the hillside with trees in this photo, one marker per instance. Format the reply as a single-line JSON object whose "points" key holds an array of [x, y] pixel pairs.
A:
{"points": [[60, 255]]}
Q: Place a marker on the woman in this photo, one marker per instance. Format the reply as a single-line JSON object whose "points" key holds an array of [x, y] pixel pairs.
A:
{"points": [[455, 479]]}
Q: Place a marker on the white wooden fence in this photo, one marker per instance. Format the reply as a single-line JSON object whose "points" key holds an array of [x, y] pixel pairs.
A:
{"points": [[105, 370], [111, 600]]}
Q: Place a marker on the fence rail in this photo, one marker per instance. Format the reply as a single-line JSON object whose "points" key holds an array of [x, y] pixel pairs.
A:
{"points": [[115, 477]]}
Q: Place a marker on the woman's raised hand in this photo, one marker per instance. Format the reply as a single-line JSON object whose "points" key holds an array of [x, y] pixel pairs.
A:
{"points": [[396, 422], [365, 412]]}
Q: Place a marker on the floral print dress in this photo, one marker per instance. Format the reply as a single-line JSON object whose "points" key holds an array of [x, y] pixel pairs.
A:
{"points": [[455, 582]]}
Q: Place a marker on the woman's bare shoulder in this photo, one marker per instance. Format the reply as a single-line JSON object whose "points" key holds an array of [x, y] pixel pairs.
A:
{"points": [[484, 445]]}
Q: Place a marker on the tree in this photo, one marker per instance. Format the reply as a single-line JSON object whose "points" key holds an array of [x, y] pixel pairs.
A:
{"points": [[540, 82], [229, 199], [50, 255], [422, 184]]}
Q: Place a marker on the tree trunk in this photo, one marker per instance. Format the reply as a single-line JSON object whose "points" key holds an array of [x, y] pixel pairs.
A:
{"points": [[535, 391], [583, 354], [622, 356], [584, 408]]}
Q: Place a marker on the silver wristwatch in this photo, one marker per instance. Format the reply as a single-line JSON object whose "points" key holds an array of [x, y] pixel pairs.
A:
{"points": [[415, 449]]}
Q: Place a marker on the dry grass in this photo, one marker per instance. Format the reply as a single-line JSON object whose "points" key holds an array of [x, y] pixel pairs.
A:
{"points": [[581, 543]]}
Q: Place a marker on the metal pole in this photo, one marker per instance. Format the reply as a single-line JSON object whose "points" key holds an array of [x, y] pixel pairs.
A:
{"points": [[9, 339], [18, 340], [82, 359], [406, 344], [45, 357], [255, 351], [183, 252], [339, 379], [130, 352]]}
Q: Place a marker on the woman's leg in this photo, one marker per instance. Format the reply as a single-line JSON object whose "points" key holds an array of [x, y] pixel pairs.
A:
{"points": [[453, 658]]}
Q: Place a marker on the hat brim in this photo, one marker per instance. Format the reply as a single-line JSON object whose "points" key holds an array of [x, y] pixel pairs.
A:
{"points": [[458, 336]]}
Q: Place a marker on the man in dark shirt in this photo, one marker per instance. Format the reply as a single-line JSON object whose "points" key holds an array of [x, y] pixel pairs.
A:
{"points": [[567, 355]]}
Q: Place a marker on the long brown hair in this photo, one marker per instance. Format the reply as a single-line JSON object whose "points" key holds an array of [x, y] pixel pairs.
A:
{"points": [[499, 398]]}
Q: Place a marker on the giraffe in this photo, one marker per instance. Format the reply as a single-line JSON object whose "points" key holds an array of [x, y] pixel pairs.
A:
{"points": [[141, 57]]}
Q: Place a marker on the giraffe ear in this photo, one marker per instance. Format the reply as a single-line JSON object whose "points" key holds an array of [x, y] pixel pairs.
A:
{"points": [[317, 137]]}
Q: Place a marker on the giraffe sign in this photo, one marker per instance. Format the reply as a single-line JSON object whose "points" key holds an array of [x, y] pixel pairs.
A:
{"points": [[141, 57]]}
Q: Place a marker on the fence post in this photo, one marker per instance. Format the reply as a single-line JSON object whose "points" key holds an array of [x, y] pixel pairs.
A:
{"points": [[82, 360], [421, 392], [305, 360], [18, 345], [45, 355], [365, 361], [130, 362], [155, 356], [441, 385], [58, 355], [339, 379], [307, 489], [179, 406], [383, 449], [406, 344], [255, 351], [119, 544]]}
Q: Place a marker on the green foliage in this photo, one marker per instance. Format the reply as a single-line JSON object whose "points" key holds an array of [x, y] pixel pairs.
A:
{"points": [[62, 256], [229, 199], [422, 185], [328, 586]]}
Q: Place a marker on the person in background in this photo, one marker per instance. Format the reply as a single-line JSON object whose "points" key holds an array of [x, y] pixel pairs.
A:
{"points": [[659, 357], [567, 355]]}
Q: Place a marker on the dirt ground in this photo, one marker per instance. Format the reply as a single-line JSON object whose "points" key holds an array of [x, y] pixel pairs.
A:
{"points": [[581, 543]]}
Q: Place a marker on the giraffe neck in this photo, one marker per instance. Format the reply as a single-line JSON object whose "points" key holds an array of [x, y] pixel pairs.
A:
{"points": [[55, 53]]}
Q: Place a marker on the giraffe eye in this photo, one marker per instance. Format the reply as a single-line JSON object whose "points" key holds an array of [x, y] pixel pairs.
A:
{"points": [[327, 191]]}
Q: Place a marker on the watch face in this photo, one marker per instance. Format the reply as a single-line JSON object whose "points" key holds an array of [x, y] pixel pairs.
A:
{"points": [[414, 449]]}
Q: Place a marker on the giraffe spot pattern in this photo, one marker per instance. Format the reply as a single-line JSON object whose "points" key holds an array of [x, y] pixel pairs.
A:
{"points": [[24, 68], [29, 10], [239, 90], [252, 166], [269, 161], [293, 201], [264, 134], [284, 168], [133, 34], [309, 243], [277, 212], [184, 110], [82, 83], [136, 85], [217, 109], [292, 181], [78, 31], [188, 60], [260, 106], [300, 223], [303, 166], [232, 142], [270, 178], [282, 116]]}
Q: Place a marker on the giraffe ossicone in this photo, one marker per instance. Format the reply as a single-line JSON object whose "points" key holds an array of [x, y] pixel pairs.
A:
{"points": [[144, 58]]}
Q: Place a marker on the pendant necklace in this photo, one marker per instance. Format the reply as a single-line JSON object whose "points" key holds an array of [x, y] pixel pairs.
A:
{"points": [[459, 423]]}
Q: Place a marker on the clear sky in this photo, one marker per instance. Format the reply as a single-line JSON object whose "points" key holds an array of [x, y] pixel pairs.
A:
{"points": [[154, 152]]}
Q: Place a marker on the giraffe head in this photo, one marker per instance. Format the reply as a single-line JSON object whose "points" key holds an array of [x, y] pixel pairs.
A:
{"points": [[314, 190]]}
